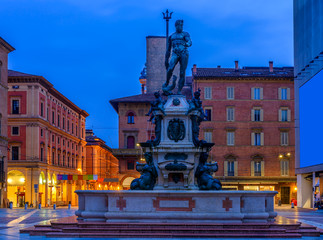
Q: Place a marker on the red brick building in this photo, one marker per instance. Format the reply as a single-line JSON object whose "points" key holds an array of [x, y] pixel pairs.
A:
{"points": [[5, 49], [101, 162], [47, 140], [251, 121]]}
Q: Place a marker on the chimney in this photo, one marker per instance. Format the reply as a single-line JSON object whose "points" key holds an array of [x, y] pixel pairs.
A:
{"points": [[194, 70], [236, 67], [271, 66]]}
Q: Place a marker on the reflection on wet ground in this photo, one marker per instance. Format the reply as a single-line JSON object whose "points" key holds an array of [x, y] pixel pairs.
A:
{"points": [[12, 220]]}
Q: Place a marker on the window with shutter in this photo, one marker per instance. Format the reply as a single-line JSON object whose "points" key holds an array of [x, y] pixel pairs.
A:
{"points": [[230, 138], [230, 114], [208, 136], [207, 93], [230, 92]]}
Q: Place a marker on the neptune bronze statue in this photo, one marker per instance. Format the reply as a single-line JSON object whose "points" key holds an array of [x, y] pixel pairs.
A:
{"points": [[177, 45]]}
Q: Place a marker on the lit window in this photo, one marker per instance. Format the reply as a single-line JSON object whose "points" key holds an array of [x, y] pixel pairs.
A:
{"points": [[15, 107], [207, 92], [131, 118], [230, 114], [230, 92]]}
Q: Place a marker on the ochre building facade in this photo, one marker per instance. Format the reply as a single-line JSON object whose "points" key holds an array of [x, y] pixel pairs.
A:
{"points": [[46, 141], [101, 163], [5, 49]]}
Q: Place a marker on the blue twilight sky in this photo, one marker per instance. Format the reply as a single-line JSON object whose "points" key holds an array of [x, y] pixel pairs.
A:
{"points": [[93, 51]]}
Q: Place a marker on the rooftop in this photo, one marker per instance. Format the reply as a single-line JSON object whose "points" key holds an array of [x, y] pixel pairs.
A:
{"points": [[145, 98], [245, 72], [20, 77]]}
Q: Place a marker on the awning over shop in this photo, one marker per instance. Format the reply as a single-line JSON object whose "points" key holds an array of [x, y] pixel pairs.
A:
{"points": [[85, 177]]}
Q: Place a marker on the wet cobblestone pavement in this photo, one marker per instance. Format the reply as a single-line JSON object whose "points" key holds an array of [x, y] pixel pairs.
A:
{"points": [[12, 220]]}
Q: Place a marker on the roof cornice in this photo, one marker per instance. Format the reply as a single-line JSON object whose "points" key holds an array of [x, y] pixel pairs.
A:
{"points": [[6, 45]]}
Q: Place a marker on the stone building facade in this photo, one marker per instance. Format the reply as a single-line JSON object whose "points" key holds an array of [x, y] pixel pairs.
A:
{"points": [[250, 118], [47, 140], [5, 49], [101, 162]]}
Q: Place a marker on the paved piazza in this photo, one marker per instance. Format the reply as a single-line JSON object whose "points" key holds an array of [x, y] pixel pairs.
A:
{"points": [[11, 220]]}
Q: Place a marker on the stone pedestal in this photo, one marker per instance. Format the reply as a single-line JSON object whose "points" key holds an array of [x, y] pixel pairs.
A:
{"points": [[176, 157], [176, 206]]}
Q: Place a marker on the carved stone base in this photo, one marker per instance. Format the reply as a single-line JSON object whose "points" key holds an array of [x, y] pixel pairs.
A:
{"points": [[176, 206]]}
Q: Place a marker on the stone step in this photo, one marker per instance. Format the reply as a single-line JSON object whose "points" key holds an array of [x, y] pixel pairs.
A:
{"points": [[193, 225], [306, 232], [174, 230], [172, 235], [43, 231]]}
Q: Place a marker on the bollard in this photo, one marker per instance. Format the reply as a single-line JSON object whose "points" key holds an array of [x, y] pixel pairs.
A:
{"points": [[10, 205], [292, 204], [54, 206], [39, 206], [26, 206]]}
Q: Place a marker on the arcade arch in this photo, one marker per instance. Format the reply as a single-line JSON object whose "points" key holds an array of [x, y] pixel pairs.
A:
{"points": [[16, 183]]}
